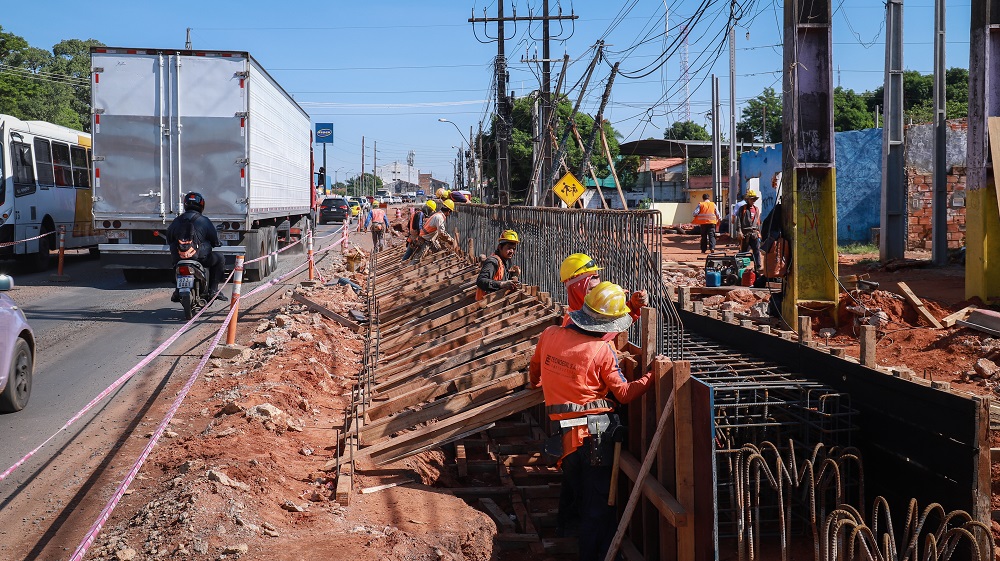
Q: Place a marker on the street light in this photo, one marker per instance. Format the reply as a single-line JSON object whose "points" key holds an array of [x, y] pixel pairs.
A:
{"points": [[467, 142]]}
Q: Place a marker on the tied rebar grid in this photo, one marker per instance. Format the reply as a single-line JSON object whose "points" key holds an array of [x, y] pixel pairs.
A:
{"points": [[759, 402], [624, 243]]}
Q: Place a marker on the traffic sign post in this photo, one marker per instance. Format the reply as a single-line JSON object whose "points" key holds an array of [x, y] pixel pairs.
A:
{"points": [[324, 136], [569, 189]]}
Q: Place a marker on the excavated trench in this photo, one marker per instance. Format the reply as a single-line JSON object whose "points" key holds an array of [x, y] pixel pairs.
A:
{"points": [[772, 435]]}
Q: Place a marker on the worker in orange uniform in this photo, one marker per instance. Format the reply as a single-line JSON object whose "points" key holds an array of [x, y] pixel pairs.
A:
{"points": [[577, 370], [707, 217], [579, 274], [433, 232], [379, 223], [416, 223], [493, 273]]}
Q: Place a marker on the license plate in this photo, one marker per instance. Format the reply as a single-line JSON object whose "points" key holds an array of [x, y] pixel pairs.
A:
{"points": [[116, 234], [185, 282], [229, 236]]}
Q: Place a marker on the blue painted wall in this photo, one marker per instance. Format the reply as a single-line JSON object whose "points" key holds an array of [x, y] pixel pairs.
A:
{"points": [[859, 181]]}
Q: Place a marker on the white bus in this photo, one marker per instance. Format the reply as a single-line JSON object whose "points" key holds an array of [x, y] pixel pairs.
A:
{"points": [[45, 176]]}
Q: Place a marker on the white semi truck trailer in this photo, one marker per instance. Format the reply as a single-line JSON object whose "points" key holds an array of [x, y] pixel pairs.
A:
{"points": [[168, 122]]}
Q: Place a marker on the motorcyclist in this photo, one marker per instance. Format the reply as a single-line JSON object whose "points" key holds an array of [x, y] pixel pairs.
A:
{"points": [[205, 237]]}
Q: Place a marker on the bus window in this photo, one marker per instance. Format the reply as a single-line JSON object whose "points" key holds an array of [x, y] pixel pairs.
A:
{"points": [[43, 162], [3, 177], [81, 174], [64, 170], [23, 169]]}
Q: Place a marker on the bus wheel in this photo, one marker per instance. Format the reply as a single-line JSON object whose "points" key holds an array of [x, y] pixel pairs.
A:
{"points": [[39, 261]]}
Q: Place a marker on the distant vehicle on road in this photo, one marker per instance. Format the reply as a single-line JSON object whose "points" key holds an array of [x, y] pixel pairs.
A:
{"points": [[17, 353], [334, 209], [47, 186]]}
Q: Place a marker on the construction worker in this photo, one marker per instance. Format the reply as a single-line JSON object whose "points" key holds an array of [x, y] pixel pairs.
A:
{"points": [[577, 370], [578, 273], [707, 217], [379, 223], [433, 231], [416, 223], [748, 222], [493, 274], [456, 196]]}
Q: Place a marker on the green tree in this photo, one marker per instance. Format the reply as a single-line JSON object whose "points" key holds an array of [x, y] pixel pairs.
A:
{"points": [[36, 84], [523, 142], [359, 186], [918, 95], [761, 119], [690, 130], [850, 111]]}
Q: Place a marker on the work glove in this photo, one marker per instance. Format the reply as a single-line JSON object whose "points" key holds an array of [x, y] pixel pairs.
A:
{"points": [[515, 271], [511, 284], [639, 299]]}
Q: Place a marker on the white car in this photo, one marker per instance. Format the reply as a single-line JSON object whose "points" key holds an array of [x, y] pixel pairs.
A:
{"points": [[17, 352]]}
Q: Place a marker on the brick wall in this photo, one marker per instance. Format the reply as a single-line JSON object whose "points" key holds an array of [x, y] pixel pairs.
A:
{"points": [[920, 187]]}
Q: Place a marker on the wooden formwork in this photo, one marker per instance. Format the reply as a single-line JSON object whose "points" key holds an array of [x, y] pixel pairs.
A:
{"points": [[450, 369]]}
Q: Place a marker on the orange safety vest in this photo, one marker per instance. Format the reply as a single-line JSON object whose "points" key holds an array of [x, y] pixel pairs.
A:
{"points": [[427, 229], [497, 276], [706, 213], [378, 218], [576, 372]]}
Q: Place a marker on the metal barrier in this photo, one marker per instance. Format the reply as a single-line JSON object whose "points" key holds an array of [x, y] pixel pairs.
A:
{"points": [[624, 242]]}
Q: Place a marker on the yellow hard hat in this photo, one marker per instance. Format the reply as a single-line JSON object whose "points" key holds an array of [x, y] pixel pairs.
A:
{"points": [[449, 204], [431, 205], [446, 194], [752, 193], [605, 310], [576, 265], [509, 236], [439, 193]]}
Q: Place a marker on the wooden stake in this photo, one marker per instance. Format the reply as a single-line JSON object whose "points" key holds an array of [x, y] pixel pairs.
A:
{"points": [[919, 305]]}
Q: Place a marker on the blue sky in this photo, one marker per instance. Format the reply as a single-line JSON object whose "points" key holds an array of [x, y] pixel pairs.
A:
{"points": [[388, 69]]}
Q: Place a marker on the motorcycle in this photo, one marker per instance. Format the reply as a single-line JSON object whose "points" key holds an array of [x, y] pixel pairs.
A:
{"points": [[192, 286]]}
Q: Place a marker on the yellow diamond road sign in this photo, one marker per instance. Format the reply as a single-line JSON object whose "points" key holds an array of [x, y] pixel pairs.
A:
{"points": [[569, 189]]}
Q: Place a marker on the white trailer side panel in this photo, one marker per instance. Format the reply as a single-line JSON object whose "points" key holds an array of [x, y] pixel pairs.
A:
{"points": [[279, 171]]}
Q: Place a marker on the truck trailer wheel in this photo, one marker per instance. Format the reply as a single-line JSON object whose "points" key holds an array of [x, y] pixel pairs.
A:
{"points": [[255, 244]]}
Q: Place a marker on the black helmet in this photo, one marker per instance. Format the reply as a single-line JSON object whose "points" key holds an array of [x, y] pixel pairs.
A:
{"points": [[194, 201]]}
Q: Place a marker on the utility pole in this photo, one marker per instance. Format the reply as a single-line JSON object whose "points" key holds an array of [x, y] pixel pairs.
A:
{"points": [[361, 188], [734, 178], [504, 102], [939, 202], [187, 41], [892, 224], [716, 143], [374, 167], [561, 151]]}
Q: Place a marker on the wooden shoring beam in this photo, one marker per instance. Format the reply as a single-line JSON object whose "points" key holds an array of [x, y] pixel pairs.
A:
{"points": [[430, 329], [419, 292], [444, 407], [477, 348], [665, 454], [683, 460], [459, 378], [416, 306], [647, 352], [474, 313], [467, 335], [409, 285], [438, 304], [455, 425], [517, 503], [327, 312], [664, 502], [498, 318], [918, 305], [394, 275]]}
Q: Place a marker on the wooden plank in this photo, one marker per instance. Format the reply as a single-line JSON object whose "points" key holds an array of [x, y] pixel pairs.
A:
{"points": [[995, 455], [421, 334], [640, 478], [950, 319], [457, 424], [664, 502], [443, 407], [461, 461], [921, 309], [326, 312], [504, 523], [647, 339], [684, 466], [993, 128], [377, 488], [665, 453]]}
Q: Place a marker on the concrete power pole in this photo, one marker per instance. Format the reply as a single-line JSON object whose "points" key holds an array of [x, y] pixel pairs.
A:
{"points": [[939, 201], [892, 226], [716, 143], [734, 178]]}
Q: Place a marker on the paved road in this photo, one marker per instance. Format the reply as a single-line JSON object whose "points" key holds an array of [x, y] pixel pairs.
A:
{"points": [[90, 331]]}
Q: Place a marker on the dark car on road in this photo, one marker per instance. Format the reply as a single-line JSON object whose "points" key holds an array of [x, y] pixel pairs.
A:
{"points": [[334, 209]]}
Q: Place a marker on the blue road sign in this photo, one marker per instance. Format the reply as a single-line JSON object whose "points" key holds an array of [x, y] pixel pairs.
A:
{"points": [[324, 133], [420, 192]]}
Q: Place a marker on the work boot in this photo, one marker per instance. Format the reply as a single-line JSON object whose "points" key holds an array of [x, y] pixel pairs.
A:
{"points": [[218, 295]]}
